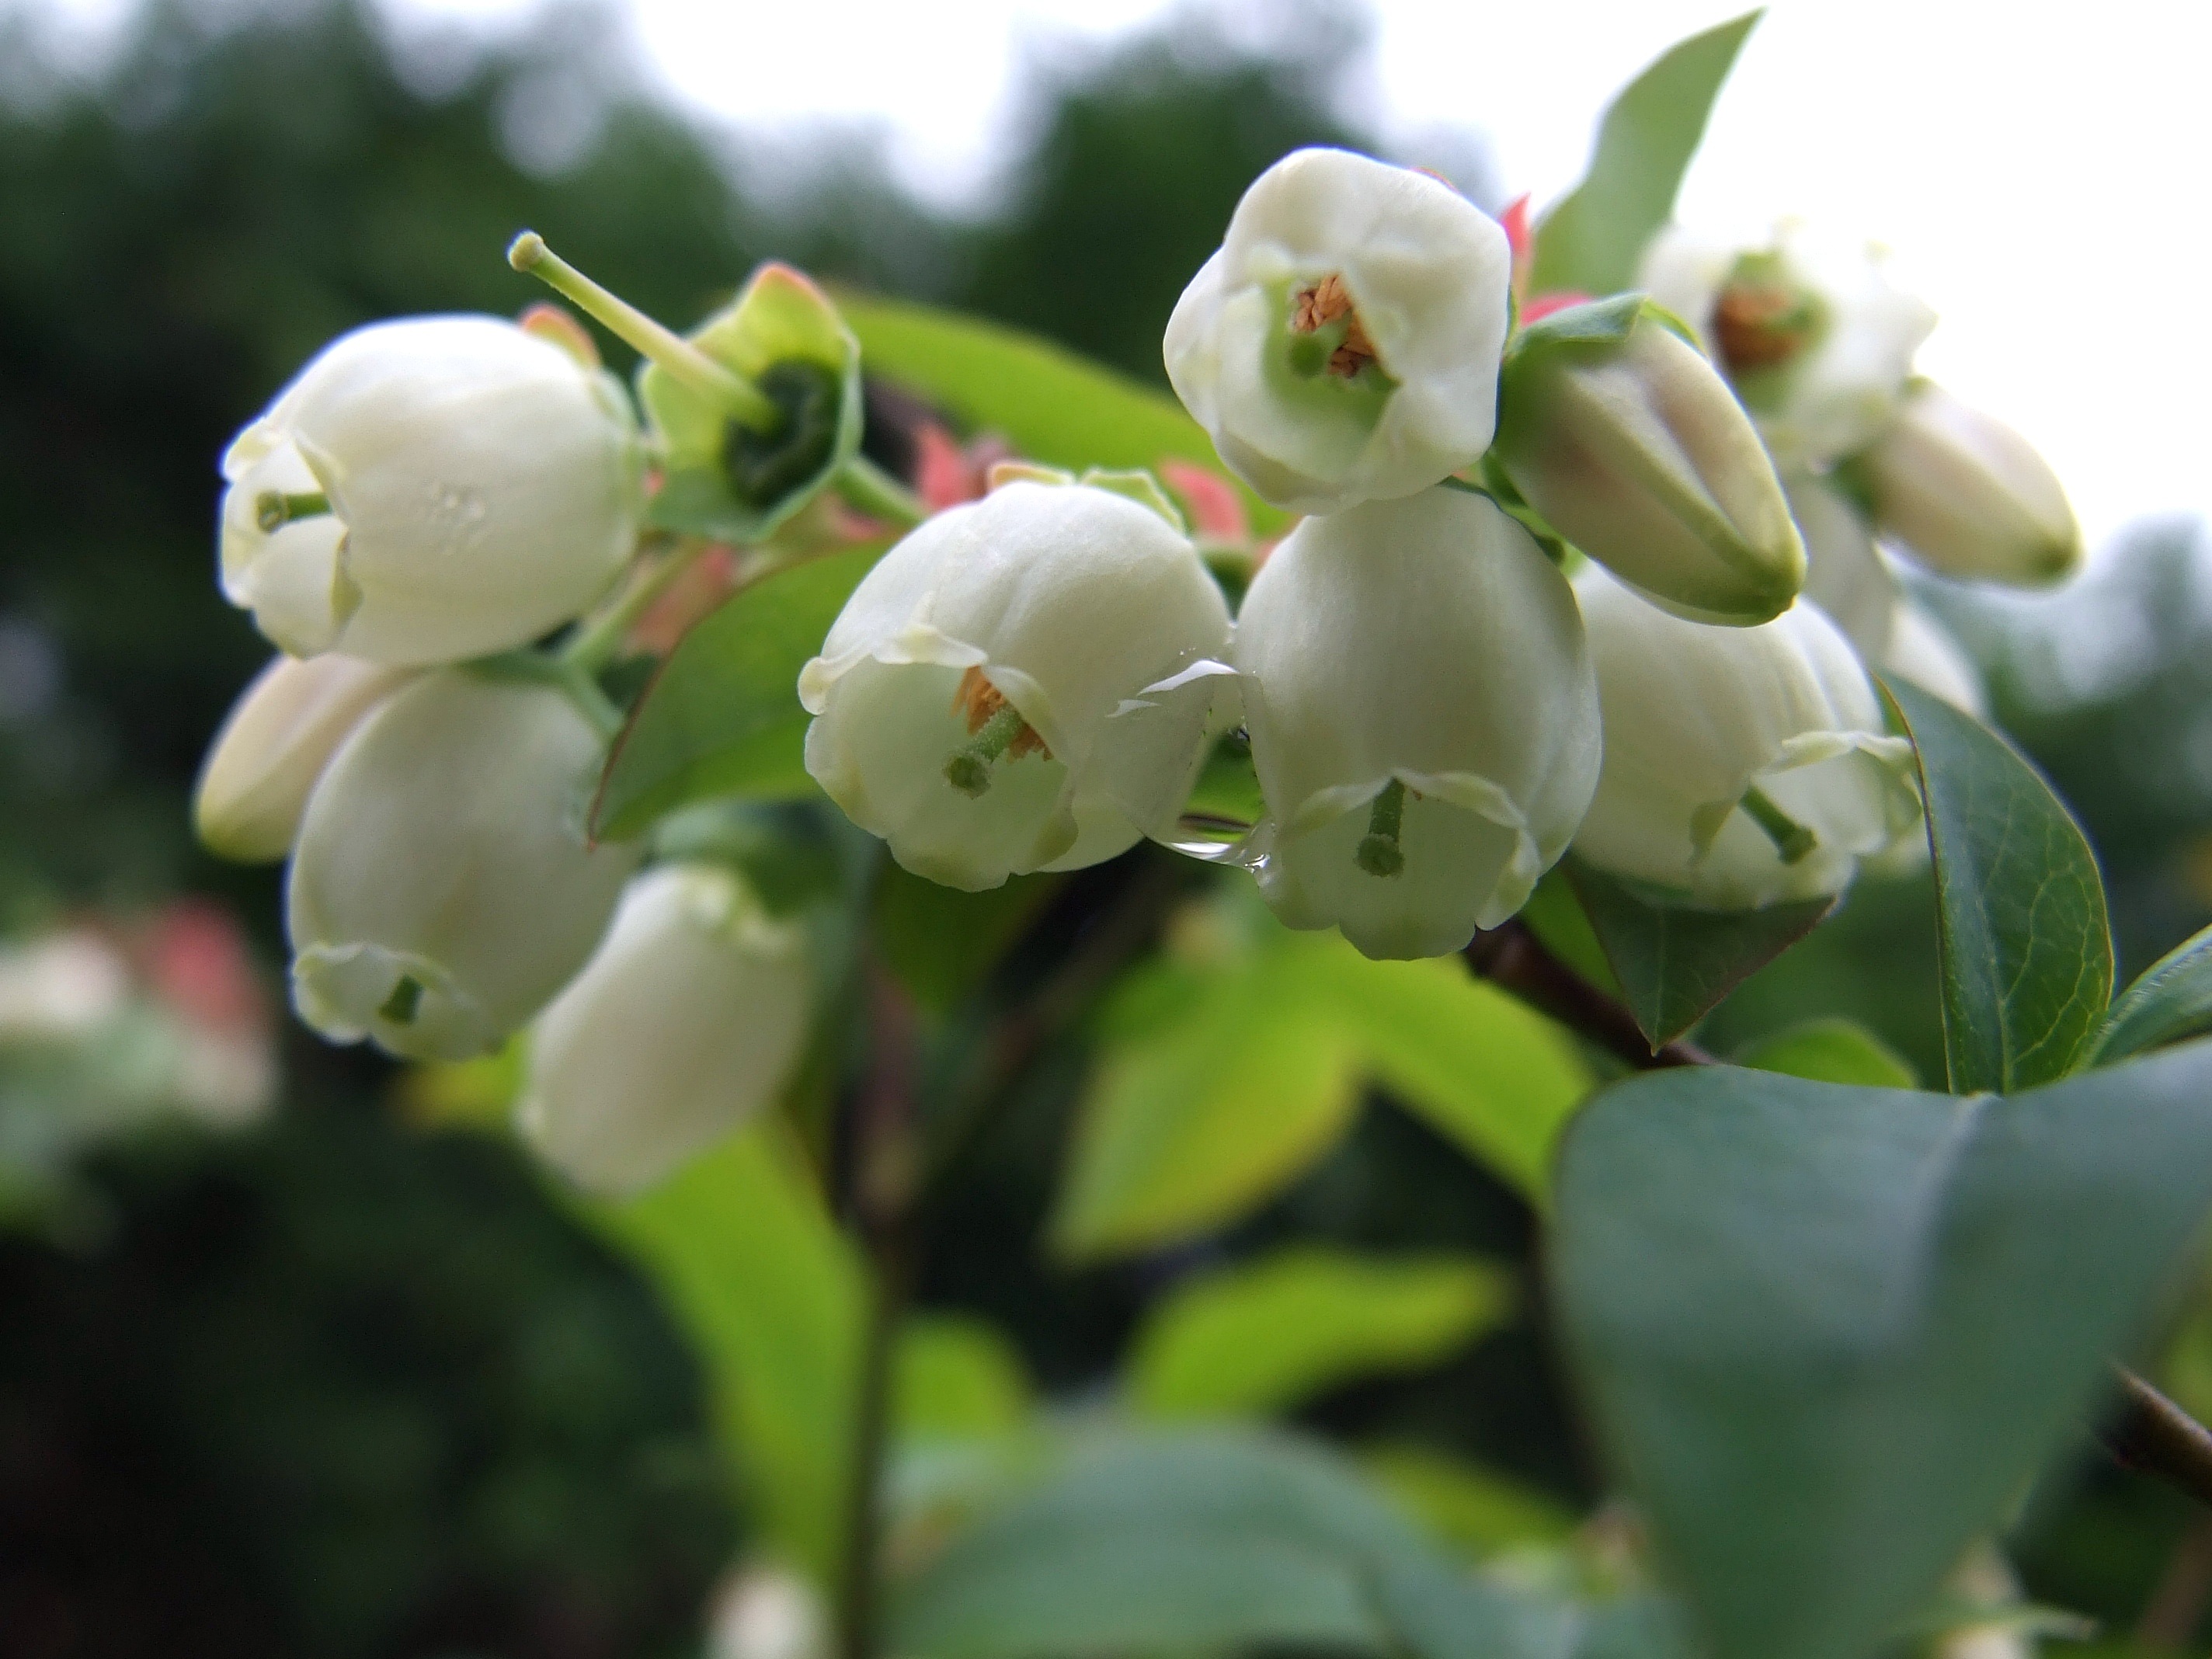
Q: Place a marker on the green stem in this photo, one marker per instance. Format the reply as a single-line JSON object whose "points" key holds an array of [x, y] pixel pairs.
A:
{"points": [[595, 644], [886, 1167], [1791, 839], [870, 489], [746, 403]]}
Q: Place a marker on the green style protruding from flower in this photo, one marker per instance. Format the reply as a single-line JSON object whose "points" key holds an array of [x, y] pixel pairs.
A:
{"points": [[1617, 430], [756, 410]]}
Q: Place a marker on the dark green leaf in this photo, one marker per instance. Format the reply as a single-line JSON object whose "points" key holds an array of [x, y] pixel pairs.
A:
{"points": [[2020, 910], [1829, 1332], [1831, 1051], [1052, 406], [1556, 916], [1673, 963], [722, 717], [1263, 1336], [2171, 1001], [1591, 240], [1166, 1544]]}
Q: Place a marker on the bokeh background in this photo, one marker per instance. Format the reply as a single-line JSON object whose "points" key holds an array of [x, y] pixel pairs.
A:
{"points": [[285, 1371]]}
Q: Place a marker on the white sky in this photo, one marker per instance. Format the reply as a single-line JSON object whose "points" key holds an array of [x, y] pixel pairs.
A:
{"points": [[2040, 169]]}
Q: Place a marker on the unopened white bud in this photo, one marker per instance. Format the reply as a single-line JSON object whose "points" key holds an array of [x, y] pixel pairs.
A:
{"points": [[427, 490], [1845, 572], [1424, 720], [685, 1022], [1817, 339], [1342, 344], [1743, 766], [442, 889], [274, 745], [1025, 683], [1624, 437], [1968, 495]]}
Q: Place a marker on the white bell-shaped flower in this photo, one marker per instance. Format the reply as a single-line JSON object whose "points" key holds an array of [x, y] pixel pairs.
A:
{"points": [[684, 1023], [1846, 573], [1424, 720], [430, 489], [1743, 766], [278, 736], [1968, 495], [1025, 683], [1817, 338], [442, 889], [1342, 345]]}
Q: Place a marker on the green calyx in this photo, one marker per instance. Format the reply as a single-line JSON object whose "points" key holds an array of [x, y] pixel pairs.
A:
{"points": [[1379, 852], [763, 467]]}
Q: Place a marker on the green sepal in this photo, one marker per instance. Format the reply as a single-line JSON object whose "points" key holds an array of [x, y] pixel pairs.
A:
{"points": [[721, 480], [1140, 487]]}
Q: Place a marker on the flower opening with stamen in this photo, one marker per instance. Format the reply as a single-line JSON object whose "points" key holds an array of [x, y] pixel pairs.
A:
{"points": [[442, 889], [1025, 683], [1743, 766], [1817, 339], [1424, 720], [1342, 345], [430, 489]]}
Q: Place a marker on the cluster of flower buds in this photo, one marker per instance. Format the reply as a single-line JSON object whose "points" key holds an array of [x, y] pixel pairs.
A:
{"points": [[426, 500], [1819, 343]]}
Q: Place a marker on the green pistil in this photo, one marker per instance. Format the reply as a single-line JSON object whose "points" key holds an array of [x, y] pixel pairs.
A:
{"points": [[969, 770], [405, 999], [1310, 352], [1379, 852], [274, 508], [1791, 839]]}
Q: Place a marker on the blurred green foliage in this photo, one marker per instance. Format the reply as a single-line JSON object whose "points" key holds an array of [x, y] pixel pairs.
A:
{"points": [[339, 1389]]}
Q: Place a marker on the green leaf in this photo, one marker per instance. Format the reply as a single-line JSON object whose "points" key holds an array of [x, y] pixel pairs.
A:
{"points": [[722, 716], [1828, 1331], [1189, 1124], [1166, 1544], [1591, 240], [2172, 1000], [1474, 1508], [741, 1249], [1479, 1066], [956, 1377], [941, 942], [1221, 1079], [1832, 1050], [2025, 950], [1673, 963], [1052, 405], [1263, 1336], [1556, 916]]}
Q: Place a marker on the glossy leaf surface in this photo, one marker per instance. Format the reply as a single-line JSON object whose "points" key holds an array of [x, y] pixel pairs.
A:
{"points": [[2020, 907], [1828, 1331]]}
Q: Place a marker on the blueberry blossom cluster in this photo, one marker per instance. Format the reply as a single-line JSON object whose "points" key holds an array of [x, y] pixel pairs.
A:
{"points": [[424, 502], [1819, 343]]}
